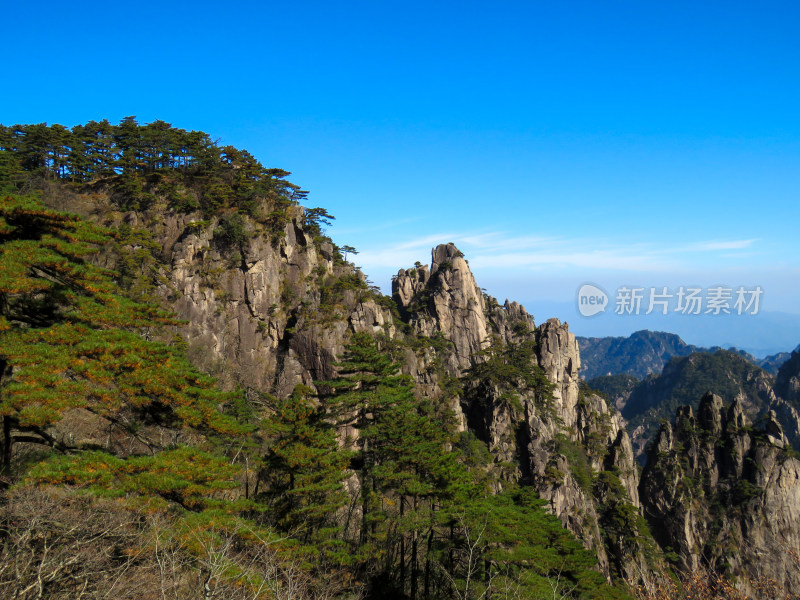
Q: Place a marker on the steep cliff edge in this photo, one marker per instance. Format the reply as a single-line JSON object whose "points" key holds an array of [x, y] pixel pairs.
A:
{"points": [[521, 396], [276, 315], [269, 302], [403, 485], [721, 493], [274, 309], [267, 310]]}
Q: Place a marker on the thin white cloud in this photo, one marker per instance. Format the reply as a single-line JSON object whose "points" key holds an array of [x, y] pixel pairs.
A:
{"points": [[501, 240], [721, 245], [390, 259], [617, 259], [498, 250], [428, 241]]}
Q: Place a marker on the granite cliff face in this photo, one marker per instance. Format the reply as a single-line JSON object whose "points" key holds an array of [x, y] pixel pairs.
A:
{"points": [[269, 313], [721, 493], [446, 299], [269, 303], [545, 434]]}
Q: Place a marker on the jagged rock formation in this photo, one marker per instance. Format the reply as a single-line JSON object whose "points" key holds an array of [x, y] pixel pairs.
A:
{"points": [[545, 439], [269, 303], [685, 379], [721, 493], [257, 315], [275, 309], [455, 307]]}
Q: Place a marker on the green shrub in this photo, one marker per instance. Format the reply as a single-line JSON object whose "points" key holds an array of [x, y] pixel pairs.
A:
{"points": [[230, 232]]}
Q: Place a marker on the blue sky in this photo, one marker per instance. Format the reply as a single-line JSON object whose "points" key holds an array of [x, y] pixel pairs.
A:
{"points": [[556, 143]]}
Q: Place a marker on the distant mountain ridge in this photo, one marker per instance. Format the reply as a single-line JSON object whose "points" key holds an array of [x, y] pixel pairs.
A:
{"points": [[684, 381], [647, 352], [647, 403], [648, 375]]}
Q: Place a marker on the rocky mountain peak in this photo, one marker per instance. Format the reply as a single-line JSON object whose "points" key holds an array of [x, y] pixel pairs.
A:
{"points": [[269, 302], [722, 493], [540, 432], [787, 382], [736, 418], [774, 430], [445, 300], [709, 413], [446, 253]]}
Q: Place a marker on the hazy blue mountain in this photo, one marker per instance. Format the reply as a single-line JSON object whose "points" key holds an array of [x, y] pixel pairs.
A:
{"points": [[764, 334], [774, 362], [640, 354], [647, 352]]}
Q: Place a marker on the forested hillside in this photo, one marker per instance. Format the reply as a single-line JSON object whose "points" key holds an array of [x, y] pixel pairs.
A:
{"points": [[141, 164], [685, 380], [127, 472], [203, 398]]}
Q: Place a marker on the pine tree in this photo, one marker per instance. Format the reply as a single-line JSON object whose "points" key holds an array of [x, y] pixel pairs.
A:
{"points": [[303, 470], [69, 340], [507, 542], [404, 470], [360, 395], [97, 138]]}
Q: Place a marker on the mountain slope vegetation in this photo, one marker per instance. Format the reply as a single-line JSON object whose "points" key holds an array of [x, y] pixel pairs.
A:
{"points": [[685, 380], [328, 472], [203, 398]]}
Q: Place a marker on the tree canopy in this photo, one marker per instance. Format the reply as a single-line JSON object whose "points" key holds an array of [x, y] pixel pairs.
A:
{"points": [[141, 161]]}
